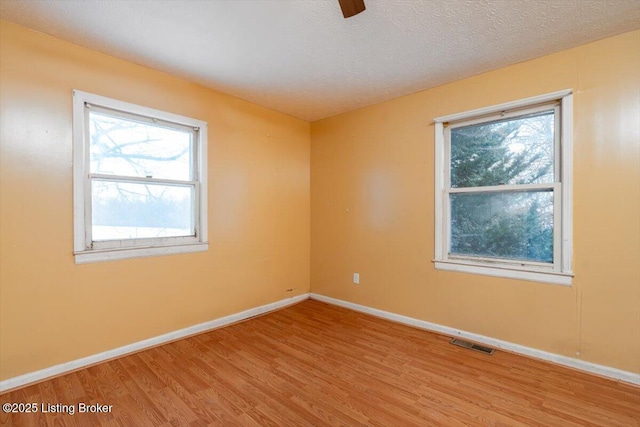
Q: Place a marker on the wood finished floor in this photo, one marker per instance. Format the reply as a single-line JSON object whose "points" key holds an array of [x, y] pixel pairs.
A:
{"points": [[314, 364]]}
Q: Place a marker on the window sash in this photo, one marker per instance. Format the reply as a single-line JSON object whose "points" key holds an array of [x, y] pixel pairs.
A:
{"points": [[505, 116], [194, 131], [555, 188], [143, 241], [90, 177]]}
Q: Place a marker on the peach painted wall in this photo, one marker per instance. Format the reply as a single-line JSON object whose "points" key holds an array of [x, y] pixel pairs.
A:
{"points": [[372, 212], [53, 311]]}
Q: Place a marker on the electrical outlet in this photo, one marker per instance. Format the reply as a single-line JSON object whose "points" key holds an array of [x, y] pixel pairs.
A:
{"points": [[356, 278]]}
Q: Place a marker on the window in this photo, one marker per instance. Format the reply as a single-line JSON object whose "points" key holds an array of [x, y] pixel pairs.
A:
{"points": [[139, 181], [504, 190]]}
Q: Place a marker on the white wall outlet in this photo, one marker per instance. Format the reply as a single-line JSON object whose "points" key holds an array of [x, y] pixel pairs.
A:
{"points": [[356, 278]]}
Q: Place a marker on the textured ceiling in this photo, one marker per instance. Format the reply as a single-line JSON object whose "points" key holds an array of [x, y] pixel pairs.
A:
{"points": [[301, 57]]}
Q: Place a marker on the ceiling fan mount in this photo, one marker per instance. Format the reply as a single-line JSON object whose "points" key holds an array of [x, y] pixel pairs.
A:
{"points": [[351, 7]]}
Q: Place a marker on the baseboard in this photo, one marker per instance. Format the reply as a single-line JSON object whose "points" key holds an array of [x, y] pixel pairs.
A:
{"points": [[74, 365], [592, 368], [63, 368]]}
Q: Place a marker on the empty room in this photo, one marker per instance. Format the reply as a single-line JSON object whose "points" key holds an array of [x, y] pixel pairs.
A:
{"points": [[320, 213]]}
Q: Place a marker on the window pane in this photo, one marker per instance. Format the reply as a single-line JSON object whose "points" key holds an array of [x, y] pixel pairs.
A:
{"points": [[509, 225], [129, 211], [128, 148], [513, 151]]}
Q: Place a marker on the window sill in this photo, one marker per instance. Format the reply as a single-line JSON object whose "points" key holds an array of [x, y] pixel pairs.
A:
{"points": [[87, 257], [555, 278]]}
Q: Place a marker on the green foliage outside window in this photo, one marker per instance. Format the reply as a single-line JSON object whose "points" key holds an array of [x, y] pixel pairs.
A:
{"points": [[512, 224]]}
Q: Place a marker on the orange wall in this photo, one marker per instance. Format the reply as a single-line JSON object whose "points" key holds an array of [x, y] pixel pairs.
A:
{"points": [[372, 210], [53, 311]]}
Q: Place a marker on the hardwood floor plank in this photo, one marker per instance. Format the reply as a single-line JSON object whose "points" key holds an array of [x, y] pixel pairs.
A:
{"points": [[318, 365]]}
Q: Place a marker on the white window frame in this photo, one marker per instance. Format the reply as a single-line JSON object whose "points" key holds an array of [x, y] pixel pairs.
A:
{"points": [[88, 251], [559, 272]]}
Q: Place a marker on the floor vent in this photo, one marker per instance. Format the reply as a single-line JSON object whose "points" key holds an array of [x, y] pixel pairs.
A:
{"points": [[472, 346]]}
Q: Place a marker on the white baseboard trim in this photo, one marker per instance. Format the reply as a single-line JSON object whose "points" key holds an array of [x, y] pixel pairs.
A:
{"points": [[67, 367], [593, 368]]}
